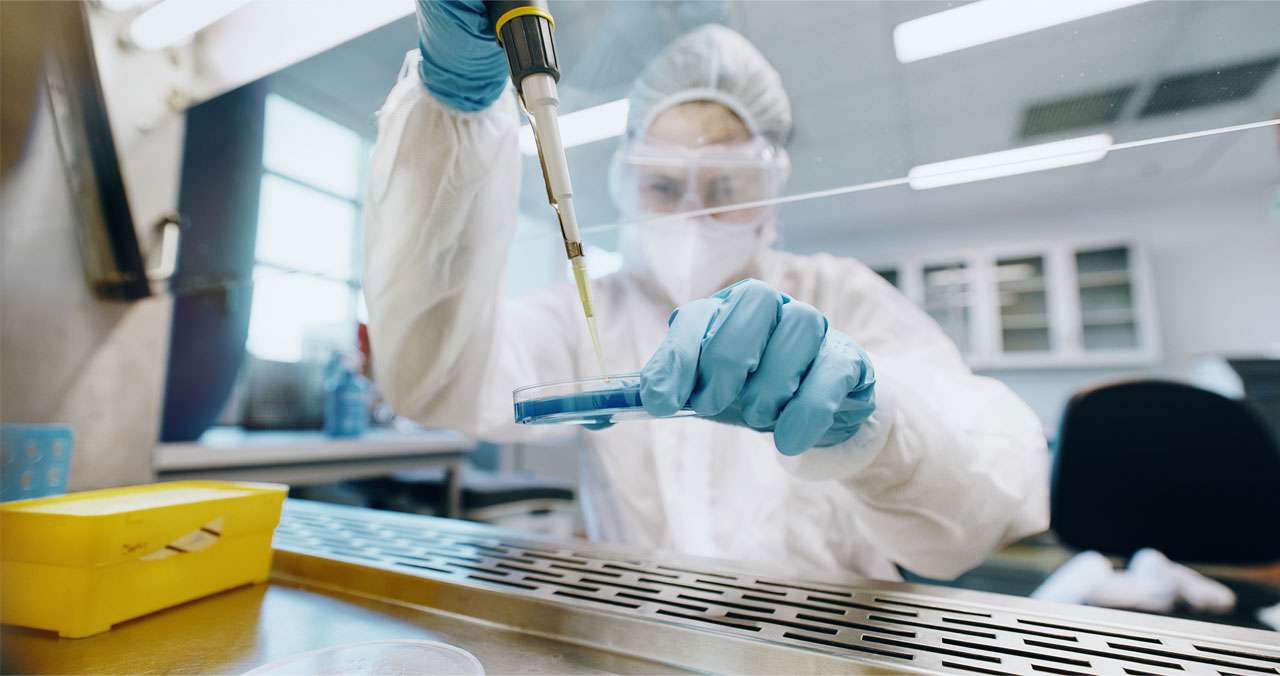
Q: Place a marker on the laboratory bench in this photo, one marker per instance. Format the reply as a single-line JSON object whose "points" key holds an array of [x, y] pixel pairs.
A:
{"points": [[1019, 569], [531, 604], [303, 458]]}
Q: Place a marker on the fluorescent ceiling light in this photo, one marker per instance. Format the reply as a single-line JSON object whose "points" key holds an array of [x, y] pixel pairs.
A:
{"points": [[987, 21], [584, 126], [174, 21], [122, 5], [1023, 160]]}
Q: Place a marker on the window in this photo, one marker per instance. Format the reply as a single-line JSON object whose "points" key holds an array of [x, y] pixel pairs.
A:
{"points": [[1061, 304], [306, 296], [1107, 305], [947, 299], [1024, 306]]}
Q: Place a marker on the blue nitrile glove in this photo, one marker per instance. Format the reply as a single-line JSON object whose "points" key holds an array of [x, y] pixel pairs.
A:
{"points": [[462, 63], [753, 356]]}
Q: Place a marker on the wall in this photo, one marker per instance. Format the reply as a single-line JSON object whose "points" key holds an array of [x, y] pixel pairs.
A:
{"points": [[1215, 260], [67, 356]]}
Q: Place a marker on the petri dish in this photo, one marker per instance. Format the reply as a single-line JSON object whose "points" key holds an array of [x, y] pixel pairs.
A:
{"points": [[395, 657], [586, 401]]}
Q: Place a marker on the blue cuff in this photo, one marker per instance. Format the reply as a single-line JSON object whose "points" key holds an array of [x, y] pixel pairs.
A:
{"points": [[460, 92]]}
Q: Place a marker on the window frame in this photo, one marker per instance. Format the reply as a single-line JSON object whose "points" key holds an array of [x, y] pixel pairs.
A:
{"points": [[353, 281]]}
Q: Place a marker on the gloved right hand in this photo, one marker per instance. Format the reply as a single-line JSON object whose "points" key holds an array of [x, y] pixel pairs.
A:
{"points": [[462, 62], [753, 356]]}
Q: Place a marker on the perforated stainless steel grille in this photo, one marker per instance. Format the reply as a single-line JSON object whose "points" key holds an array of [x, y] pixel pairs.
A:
{"points": [[906, 631]]}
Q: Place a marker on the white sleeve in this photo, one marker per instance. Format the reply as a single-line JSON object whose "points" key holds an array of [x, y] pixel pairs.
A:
{"points": [[951, 465], [440, 209]]}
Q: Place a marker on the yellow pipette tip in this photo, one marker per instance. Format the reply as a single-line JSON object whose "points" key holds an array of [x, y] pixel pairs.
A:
{"points": [[595, 342], [584, 294]]}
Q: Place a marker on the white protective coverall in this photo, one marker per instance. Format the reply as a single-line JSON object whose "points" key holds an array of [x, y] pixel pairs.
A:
{"points": [[949, 467]]}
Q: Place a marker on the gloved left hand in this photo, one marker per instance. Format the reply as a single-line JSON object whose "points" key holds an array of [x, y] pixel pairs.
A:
{"points": [[753, 356], [462, 63]]}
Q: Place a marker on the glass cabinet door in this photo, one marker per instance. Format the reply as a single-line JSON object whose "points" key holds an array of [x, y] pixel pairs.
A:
{"points": [[947, 289], [1023, 304], [1107, 308]]}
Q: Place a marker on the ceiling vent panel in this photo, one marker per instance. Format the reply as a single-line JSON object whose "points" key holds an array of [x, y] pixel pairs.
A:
{"points": [[1085, 110], [1185, 91]]}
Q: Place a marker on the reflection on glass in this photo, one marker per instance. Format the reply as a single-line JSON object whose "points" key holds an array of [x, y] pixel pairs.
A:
{"points": [[1106, 299], [877, 122], [947, 300], [1024, 311]]}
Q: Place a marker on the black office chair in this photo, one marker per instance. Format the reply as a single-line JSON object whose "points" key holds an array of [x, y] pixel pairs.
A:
{"points": [[1166, 465]]}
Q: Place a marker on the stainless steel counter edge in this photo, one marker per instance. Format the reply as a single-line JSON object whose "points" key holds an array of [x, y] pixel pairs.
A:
{"points": [[709, 615]]}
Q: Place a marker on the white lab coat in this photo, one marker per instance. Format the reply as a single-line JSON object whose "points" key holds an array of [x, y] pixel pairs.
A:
{"points": [[950, 466]]}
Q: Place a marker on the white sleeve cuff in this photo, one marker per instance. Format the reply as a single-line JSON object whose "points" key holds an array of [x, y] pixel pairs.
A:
{"points": [[851, 456]]}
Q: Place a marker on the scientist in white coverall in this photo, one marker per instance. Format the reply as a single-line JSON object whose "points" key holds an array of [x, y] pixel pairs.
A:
{"points": [[848, 435]]}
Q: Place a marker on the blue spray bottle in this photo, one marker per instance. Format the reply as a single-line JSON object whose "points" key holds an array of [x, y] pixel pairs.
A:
{"points": [[346, 404]]}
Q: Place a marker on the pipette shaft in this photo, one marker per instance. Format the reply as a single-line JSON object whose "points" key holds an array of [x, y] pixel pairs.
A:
{"points": [[524, 28]]}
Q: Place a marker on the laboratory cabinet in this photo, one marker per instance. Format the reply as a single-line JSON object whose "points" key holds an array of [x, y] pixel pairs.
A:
{"points": [[1065, 304]]}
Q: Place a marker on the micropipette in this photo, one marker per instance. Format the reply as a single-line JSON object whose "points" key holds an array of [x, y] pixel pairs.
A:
{"points": [[524, 29]]}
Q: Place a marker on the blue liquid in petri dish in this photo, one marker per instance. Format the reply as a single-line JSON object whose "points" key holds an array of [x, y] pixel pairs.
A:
{"points": [[590, 401], [584, 407]]}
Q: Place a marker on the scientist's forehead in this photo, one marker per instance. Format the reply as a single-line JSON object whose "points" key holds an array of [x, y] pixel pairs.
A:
{"points": [[698, 123]]}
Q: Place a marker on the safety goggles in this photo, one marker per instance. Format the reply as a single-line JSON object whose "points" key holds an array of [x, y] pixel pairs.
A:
{"points": [[650, 178]]}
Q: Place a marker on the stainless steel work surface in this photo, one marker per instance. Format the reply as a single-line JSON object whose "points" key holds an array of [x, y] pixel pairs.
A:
{"points": [[702, 616], [235, 631]]}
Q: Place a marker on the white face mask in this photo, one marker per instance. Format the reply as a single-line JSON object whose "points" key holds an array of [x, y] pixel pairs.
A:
{"points": [[691, 258]]}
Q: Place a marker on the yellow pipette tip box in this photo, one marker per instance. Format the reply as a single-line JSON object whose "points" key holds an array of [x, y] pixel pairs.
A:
{"points": [[79, 563]]}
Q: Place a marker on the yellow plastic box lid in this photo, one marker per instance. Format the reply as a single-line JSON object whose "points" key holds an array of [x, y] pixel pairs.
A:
{"points": [[81, 562], [115, 524]]}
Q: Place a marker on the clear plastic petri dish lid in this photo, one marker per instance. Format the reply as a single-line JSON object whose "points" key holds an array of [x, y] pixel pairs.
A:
{"points": [[383, 658], [587, 401]]}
